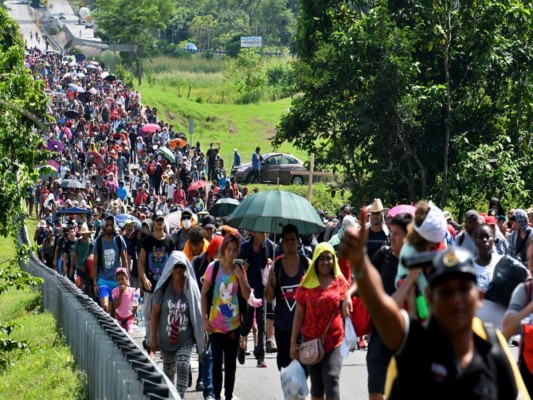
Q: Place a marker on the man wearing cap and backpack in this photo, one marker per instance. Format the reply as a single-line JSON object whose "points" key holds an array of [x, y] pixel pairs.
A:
{"points": [[109, 254], [454, 355]]}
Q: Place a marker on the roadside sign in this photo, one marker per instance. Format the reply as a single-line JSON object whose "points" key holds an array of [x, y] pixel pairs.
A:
{"points": [[251, 41]]}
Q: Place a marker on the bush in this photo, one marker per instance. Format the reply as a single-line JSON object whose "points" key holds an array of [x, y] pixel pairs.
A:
{"points": [[125, 75]]}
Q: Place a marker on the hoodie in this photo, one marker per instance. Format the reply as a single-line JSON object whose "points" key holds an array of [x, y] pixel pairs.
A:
{"points": [[191, 290]]}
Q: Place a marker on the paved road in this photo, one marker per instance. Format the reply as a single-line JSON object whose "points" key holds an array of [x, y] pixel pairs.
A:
{"points": [[264, 383], [71, 19], [19, 12]]}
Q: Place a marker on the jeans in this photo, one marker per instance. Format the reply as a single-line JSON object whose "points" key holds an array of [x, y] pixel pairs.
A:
{"points": [[246, 326], [207, 371]]}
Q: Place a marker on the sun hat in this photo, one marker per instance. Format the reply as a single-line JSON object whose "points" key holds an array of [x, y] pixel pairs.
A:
{"points": [[85, 230], [377, 206]]}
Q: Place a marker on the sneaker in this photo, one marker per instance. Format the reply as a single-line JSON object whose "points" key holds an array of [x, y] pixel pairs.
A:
{"points": [[241, 356], [261, 363], [199, 386], [209, 398], [271, 346]]}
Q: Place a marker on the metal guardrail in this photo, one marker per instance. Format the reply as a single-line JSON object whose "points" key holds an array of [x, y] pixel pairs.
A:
{"points": [[116, 367]]}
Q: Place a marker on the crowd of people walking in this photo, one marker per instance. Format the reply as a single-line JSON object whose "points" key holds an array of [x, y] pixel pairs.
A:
{"points": [[124, 207]]}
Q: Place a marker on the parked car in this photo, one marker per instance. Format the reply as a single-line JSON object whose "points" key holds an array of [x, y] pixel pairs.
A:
{"points": [[62, 15], [274, 166]]}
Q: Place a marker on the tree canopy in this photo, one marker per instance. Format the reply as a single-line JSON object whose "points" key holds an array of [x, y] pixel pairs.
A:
{"points": [[416, 99], [23, 107]]}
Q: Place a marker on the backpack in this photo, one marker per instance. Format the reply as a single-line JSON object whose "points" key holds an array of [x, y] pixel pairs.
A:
{"points": [[99, 242], [243, 305]]}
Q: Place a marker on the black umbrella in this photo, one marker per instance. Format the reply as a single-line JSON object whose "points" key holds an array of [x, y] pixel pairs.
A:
{"points": [[110, 78], [71, 114], [80, 57]]}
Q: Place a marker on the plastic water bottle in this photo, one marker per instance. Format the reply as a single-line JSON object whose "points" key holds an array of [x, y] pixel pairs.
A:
{"points": [[140, 313], [140, 317], [422, 306]]}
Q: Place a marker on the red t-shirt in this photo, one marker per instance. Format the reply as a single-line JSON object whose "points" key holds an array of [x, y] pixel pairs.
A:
{"points": [[319, 306]]}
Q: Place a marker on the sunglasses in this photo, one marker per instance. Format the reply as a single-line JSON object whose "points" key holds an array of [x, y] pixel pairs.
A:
{"points": [[186, 217]]}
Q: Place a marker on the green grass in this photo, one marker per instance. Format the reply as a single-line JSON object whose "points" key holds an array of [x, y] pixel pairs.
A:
{"points": [[49, 370], [233, 125]]}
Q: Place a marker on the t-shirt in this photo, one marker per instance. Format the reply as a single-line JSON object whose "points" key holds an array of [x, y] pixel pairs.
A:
{"points": [[519, 300], [387, 265], [110, 256], [375, 241], [224, 314], [175, 327], [257, 261], [320, 305], [484, 274], [157, 252], [68, 248], [285, 289], [126, 302], [81, 249]]}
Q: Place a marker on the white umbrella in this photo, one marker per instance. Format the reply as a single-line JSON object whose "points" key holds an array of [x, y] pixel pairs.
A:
{"points": [[73, 64]]}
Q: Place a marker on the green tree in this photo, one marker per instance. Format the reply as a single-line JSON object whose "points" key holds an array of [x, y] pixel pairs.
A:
{"points": [[246, 72], [23, 111], [134, 23], [390, 90], [201, 29]]}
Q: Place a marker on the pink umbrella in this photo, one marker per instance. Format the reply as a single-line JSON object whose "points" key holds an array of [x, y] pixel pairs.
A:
{"points": [[93, 91], [402, 208], [97, 157], [53, 143], [66, 131], [110, 101], [197, 185], [151, 128], [53, 163]]}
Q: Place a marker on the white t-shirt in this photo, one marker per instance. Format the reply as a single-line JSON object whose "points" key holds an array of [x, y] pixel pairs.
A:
{"points": [[490, 311], [484, 274]]}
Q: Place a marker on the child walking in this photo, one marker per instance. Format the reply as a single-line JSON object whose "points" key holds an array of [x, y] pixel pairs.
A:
{"points": [[123, 297]]}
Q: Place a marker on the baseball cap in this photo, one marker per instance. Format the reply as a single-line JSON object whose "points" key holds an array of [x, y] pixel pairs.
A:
{"points": [[208, 221], [158, 215], [472, 215], [453, 261]]}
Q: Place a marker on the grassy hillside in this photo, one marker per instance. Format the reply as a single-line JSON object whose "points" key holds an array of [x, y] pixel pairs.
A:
{"points": [[233, 125], [212, 104]]}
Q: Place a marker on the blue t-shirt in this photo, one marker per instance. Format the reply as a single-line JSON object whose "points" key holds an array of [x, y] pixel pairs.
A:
{"points": [[110, 256]]}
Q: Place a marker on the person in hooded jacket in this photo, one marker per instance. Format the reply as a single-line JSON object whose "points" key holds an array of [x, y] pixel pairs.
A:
{"points": [[520, 234], [495, 207], [176, 320]]}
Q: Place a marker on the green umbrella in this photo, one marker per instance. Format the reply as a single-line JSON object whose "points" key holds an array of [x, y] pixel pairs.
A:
{"points": [[271, 210], [224, 207], [167, 153]]}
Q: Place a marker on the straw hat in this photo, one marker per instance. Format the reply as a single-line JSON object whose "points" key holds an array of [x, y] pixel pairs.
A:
{"points": [[377, 206], [85, 230]]}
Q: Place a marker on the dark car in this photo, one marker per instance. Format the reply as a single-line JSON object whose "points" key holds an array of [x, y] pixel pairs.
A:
{"points": [[62, 16], [274, 166]]}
